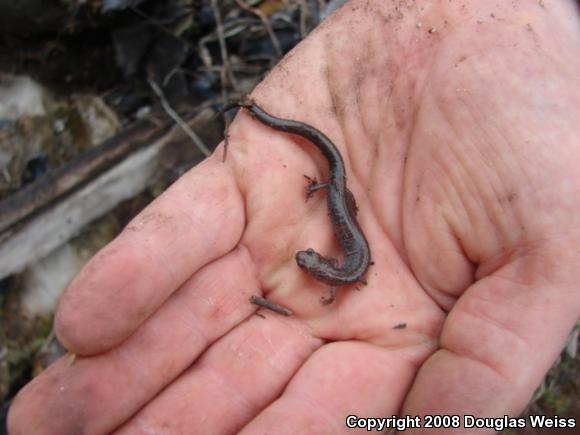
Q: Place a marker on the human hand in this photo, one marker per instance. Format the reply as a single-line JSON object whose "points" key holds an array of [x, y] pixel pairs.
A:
{"points": [[459, 126]]}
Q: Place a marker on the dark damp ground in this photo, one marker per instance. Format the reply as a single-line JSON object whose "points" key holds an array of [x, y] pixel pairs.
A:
{"points": [[196, 52]]}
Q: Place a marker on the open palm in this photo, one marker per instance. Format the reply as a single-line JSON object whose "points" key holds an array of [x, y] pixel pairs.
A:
{"points": [[459, 127]]}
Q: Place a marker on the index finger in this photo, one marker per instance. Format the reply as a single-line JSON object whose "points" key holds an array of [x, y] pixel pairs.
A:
{"points": [[198, 219]]}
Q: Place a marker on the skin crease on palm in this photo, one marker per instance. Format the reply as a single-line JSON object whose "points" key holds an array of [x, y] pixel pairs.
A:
{"points": [[459, 122]]}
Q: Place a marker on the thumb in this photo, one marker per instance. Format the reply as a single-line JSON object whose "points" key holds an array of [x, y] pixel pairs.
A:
{"points": [[501, 337]]}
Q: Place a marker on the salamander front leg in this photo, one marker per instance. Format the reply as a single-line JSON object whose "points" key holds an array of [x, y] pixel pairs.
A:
{"points": [[313, 186], [329, 300], [351, 202]]}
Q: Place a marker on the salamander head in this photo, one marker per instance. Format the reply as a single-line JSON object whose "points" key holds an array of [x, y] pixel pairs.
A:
{"points": [[309, 260], [321, 268]]}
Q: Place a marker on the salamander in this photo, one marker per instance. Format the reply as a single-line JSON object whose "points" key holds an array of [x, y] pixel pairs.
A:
{"points": [[342, 209]]}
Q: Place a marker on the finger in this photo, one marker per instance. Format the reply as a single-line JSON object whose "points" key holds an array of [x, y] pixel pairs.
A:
{"points": [[500, 339], [341, 379], [243, 372], [197, 220], [97, 394]]}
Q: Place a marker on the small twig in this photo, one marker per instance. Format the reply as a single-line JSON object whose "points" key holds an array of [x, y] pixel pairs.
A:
{"points": [[246, 68], [303, 12], [223, 48], [226, 135], [224, 110], [160, 25], [46, 342], [265, 303], [173, 114], [321, 9], [170, 75], [267, 25], [226, 71], [244, 101]]}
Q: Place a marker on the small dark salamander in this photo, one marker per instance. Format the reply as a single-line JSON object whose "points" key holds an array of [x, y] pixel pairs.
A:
{"points": [[341, 209]]}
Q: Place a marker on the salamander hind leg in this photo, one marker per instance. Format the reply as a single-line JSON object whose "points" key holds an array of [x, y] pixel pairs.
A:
{"points": [[351, 202], [329, 300], [313, 186]]}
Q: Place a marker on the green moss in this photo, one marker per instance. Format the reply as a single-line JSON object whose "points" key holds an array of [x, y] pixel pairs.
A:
{"points": [[556, 402]]}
